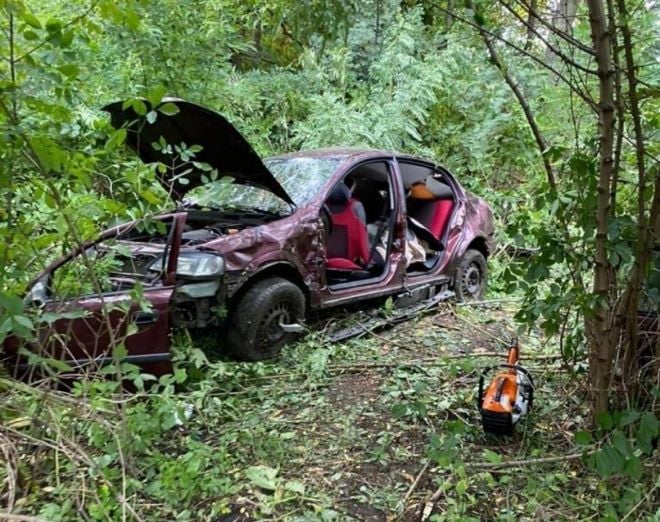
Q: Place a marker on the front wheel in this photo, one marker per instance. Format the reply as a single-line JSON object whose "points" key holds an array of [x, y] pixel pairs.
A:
{"points": [[471, 277], [254, 330]]}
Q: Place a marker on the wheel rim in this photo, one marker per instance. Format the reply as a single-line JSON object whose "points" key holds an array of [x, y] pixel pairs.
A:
{"points": [[270, 331], [472, 280]]}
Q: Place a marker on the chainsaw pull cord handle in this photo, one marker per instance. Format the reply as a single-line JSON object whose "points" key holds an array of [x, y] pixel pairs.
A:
{"points": [[514, 352]]}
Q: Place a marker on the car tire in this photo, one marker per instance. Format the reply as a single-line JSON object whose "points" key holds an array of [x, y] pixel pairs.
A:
{"points": [[471, 277], [253, 332]]}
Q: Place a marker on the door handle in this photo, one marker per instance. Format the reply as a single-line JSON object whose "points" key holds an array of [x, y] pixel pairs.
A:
{"points": [[142, 317]]}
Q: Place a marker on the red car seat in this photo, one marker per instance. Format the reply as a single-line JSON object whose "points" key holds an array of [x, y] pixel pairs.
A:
{"points": [[431, 208], [348, 243]]}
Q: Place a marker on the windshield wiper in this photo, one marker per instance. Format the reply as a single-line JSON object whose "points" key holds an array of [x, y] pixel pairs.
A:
{"points": [[230, 209], [253, 210]]}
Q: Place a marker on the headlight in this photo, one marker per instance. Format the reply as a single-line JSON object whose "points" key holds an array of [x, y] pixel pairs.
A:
{"points": [[195, 265], [37, 295]]}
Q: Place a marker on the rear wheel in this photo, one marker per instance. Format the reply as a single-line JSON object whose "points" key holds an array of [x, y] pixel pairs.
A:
{"points": [[254, 331], [471, 277]]}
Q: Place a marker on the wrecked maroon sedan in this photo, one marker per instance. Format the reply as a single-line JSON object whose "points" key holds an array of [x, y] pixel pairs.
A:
{"points": [[255, 245]]}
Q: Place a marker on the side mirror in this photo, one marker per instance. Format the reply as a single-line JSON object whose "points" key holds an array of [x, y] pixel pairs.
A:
{"points": [[37, 295]]}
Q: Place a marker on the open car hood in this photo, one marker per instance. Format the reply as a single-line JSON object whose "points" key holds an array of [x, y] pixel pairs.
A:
{"points": [[223, 147]]}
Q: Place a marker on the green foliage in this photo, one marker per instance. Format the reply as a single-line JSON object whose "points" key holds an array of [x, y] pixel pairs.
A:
{"points": [[621, 455], [293, 437], [290, 74]]}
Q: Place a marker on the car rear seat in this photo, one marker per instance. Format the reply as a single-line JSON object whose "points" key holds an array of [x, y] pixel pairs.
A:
{"points": [[431, 206], [434, 215]]}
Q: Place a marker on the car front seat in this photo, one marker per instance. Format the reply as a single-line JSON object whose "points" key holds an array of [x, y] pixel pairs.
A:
{"points": [[348, 243]]}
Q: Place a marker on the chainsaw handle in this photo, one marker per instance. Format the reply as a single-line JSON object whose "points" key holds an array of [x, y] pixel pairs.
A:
{"points": [[519, 369], [480, 394]]}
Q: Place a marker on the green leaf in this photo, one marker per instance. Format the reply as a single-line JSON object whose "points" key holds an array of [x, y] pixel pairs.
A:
{"points": [[11, 304], [263, 477], [132, 329], [117, 138], [69, 70], [65, 39], [169, 109], [582, 438], [419, 408], [604, 420], [30, 35], [155, 94], [202, 166], [493, 457], [628, 417], [30, 20], [609, 461], [180, 375], [138, 106], [647, 431], [295, 486], [151, 116], [150, 197], [120, 352], [399, 410], [58, 365], [622, 445], [445, 458], [24, 321], [53, 25], [132, 18], [633, 467]]}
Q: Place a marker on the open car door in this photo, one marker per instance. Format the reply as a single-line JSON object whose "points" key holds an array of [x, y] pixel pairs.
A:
{"points": [[107, 302]]}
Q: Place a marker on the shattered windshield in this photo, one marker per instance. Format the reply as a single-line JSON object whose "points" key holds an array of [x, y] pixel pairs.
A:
{"points": [[301, 177]]}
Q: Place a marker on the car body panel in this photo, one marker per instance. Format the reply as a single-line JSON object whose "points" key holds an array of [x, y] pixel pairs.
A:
{"points": [[223, 146], [107, 322], [90, 326]]}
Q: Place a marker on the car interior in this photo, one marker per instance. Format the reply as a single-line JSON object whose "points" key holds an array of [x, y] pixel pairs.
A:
{"points": [[430, 202], [360, 211]]}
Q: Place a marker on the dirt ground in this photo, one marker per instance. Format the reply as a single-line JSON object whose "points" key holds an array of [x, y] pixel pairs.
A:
{"points": [[368, 433]]}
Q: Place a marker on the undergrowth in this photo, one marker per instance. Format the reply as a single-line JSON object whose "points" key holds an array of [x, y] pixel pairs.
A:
{"points": [[380, 427]]}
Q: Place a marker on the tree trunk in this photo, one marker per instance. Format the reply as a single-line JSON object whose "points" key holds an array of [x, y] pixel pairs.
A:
{"points": [[620, 108], [602, 335], [449, 19], [564, 16], [644, 242], [531, 23]]}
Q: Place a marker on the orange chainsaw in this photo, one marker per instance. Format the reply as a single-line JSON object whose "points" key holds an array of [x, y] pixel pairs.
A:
{"points": [[508, 397]]}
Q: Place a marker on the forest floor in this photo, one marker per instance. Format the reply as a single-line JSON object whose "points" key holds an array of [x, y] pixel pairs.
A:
{"points": [[385, 427], [377, 428]]}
